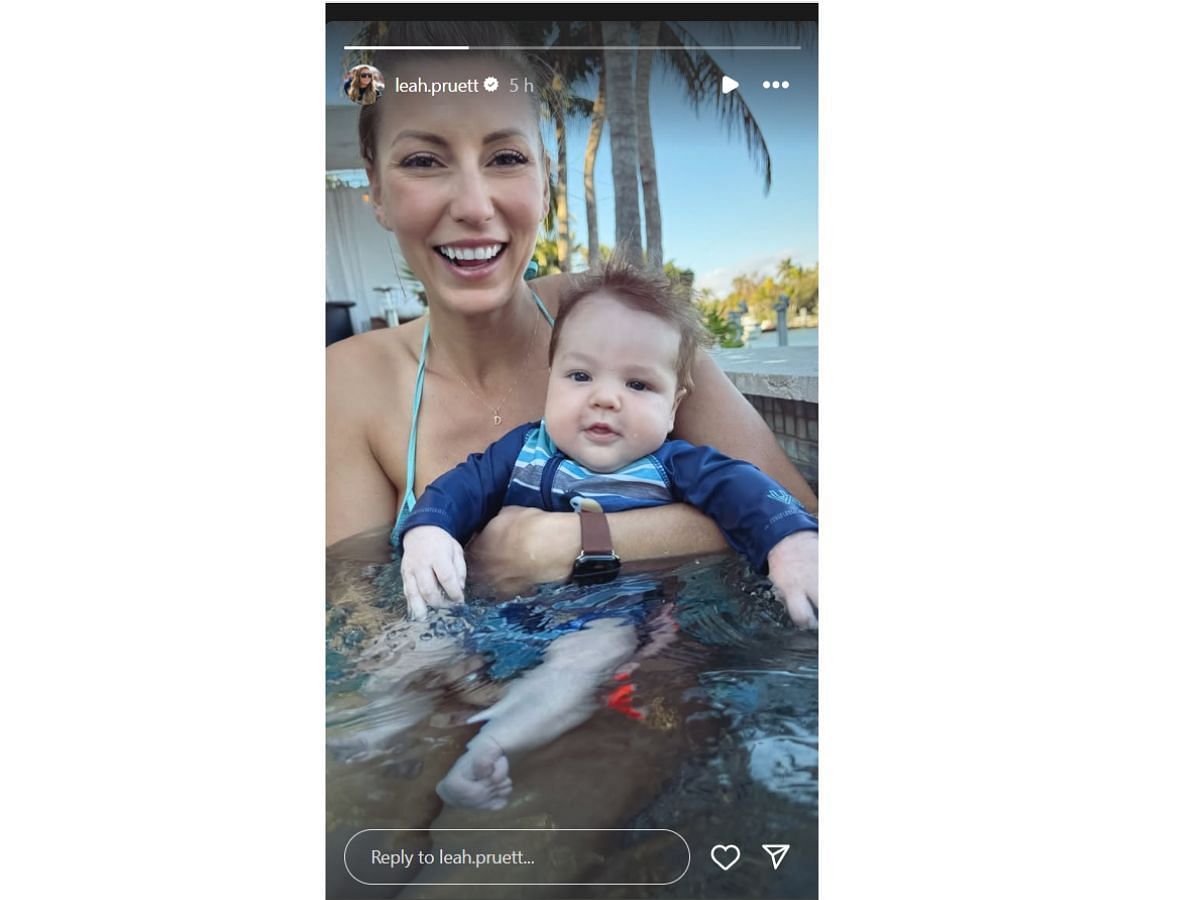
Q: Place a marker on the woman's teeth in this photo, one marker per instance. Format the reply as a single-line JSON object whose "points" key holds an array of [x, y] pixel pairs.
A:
{"points": [[471, 253]]}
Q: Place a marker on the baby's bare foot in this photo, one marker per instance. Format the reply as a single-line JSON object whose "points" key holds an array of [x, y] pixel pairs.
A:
{"points": [[479, 780]]}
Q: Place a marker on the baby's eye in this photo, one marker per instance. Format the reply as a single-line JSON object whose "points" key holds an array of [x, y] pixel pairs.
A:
{"points": [[509, 158], [579, 377], [419, 161], [636, 385]]}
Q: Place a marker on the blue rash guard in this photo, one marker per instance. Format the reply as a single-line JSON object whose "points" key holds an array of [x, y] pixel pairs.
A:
{"points": [[525, 468]]}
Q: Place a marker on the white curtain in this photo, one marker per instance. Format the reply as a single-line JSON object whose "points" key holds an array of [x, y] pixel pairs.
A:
{"points": [[358, 259]]}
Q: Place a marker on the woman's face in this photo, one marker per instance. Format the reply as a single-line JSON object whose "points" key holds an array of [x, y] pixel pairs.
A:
{"points": [[364, 79], [458, 178]]}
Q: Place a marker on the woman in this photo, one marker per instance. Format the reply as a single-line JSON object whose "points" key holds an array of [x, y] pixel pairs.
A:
{"points": [[466, 175], [364, 85], [462, 182]]}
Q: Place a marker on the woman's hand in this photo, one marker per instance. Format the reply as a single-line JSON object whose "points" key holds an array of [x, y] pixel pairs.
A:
{"points": [[793, 570], [523, 546]]}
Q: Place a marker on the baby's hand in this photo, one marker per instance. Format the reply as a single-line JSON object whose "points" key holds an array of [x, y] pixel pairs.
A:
{"points": [[793, 570], [431, 557]]}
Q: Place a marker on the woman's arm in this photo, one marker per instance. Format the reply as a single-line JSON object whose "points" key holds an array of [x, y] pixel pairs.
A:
{"points": [[358, 494], [716, 414], [524, 546]]}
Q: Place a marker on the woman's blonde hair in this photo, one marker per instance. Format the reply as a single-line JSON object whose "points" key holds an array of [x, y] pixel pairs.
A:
{"points": [[368, 95]]}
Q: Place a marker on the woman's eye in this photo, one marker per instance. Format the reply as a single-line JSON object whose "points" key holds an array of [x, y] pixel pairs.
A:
{"points": [[579, 377], [419, 161], [506, 158], [636, 385]]}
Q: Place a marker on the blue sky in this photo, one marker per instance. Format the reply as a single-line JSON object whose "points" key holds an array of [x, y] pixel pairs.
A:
{"points": [[716, 220]]}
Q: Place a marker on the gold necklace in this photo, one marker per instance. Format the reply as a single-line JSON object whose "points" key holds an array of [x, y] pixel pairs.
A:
{"points": [[497, 420]]}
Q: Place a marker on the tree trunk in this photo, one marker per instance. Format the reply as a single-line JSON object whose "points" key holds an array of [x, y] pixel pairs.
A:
{"points": [[589, 173], [564, 221], [622, 140], [648, 38]]}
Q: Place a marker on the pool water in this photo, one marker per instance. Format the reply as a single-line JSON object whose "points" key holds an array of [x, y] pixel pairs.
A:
{"points": [[713, 735]]}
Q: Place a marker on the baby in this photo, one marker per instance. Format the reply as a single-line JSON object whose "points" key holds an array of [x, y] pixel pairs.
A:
{"points": [[621, 356]]}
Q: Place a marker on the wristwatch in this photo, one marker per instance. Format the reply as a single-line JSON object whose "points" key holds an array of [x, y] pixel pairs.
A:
{"points": [[596, 563]]}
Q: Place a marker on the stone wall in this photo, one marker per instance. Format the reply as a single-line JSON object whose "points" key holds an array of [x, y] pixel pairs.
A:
{"points": [[795, 425], [781, 383]]}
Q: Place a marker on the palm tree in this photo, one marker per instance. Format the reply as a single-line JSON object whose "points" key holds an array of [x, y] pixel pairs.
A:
{"points": [[648, 37], [558, 85], [700, 76], [621, 113], [564, 69], [568, 106], [589, 156]]}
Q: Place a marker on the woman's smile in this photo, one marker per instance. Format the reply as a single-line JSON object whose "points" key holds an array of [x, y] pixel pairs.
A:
{"points": [[472, 259]]}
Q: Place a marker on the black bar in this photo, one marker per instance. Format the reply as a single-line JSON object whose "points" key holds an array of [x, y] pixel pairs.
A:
{"points": [[574, 12]]}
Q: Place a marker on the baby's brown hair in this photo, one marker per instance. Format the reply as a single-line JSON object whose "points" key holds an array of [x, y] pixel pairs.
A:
{"points": [[650, 292]]}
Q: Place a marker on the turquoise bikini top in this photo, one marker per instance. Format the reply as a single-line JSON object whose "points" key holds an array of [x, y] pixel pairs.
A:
{"points": [[410, 499]]}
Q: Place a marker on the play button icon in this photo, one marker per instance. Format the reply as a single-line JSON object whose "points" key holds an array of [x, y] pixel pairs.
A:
{"points": [[727, 84]]}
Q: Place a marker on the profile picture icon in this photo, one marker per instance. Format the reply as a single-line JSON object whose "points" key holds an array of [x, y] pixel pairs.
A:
{"points": [[363, 84]]}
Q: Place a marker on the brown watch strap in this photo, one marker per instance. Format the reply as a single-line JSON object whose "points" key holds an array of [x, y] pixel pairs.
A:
{"points": [[593, 529]]}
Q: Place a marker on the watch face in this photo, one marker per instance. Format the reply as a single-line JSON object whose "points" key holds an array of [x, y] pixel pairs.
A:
{"points": [[596, 569]]}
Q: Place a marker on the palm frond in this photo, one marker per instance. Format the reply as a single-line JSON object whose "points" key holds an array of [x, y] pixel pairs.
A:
{"points": [[701, 77]]}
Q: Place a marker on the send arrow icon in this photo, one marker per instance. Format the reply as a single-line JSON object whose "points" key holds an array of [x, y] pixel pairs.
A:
{"points": [[777, 852]]}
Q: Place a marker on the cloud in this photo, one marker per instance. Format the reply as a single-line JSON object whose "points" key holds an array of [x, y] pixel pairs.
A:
{"points": [[720, 280]]}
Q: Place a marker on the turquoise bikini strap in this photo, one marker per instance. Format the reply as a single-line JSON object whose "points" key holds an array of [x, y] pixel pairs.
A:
{"points": [[541, 305], [410, 499], [418, 389]]}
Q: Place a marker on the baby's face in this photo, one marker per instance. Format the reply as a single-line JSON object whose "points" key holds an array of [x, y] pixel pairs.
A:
{"points": [[613, 390]]}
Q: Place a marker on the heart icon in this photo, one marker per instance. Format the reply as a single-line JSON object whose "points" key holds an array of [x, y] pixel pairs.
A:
{"points": [[725, 855]]}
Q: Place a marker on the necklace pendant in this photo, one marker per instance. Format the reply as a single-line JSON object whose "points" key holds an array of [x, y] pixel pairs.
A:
{"points": [[496, 420]]}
